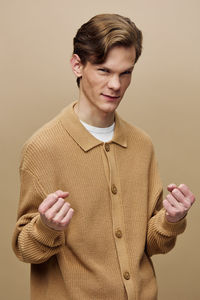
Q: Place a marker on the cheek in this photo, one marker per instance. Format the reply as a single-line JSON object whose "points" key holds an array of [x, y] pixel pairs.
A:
{"points": [[93, 81], [125, 84], [88, 84], [97, 83]]}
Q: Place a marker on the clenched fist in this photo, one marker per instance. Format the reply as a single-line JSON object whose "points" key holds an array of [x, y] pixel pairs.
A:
{"points": [[178, 202], [55, 212]]}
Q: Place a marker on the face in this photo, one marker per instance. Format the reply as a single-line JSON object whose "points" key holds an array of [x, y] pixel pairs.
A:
{"points": [[102, 86]]}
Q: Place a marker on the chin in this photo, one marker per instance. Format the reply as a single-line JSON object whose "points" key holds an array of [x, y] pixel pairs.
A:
{"points": [[109, 107]]}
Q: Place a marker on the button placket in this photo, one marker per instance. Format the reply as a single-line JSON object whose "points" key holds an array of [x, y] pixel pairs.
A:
{"points": [[118, 223]]}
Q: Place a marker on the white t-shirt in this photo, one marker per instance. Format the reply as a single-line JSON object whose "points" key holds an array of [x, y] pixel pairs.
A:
{"points": [[103, 134]]}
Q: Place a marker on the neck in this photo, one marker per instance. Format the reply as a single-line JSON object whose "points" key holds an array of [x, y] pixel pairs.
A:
{"points": [[93, 116]]}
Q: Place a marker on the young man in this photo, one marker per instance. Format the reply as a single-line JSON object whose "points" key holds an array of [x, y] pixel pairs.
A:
{"points": [[97, 243]]}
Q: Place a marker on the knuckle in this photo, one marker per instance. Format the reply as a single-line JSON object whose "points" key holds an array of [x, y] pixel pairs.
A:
{"points": [[49, 197], [54, 195], [176, 192], [61, 200], [183, 186], [58, 192]]}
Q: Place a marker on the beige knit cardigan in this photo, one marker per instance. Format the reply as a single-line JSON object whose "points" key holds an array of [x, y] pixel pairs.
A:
{"points": [[118, 221]]}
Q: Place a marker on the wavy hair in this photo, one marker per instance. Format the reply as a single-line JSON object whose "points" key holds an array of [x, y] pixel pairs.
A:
{"points": [[101, 33]]}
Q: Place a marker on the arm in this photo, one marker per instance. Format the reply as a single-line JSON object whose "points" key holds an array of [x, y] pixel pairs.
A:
{"points": [[165, 223], [161, 234], [39, 234]]}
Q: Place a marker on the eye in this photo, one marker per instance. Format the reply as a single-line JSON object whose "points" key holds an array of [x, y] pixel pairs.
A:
{"points": [[103, 70], [126, 72]]}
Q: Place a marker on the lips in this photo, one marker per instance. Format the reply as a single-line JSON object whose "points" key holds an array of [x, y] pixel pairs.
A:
{"points": [[110, 96]]}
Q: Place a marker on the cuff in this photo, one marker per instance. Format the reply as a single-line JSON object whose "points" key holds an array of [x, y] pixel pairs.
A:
{"points": [[169, 228], [49, 236]]}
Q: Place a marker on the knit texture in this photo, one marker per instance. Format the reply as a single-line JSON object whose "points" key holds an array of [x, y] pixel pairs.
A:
{"points": [[118, 222]]}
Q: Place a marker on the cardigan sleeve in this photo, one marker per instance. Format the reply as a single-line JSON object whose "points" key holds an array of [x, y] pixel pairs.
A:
{"points": [[33, 241], [161, 234]]}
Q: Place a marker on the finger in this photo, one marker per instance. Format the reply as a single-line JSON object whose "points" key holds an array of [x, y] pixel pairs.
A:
{"points": [[62, 212], [65, 221], [172, 214], [51, 199], [61, 194], [186, 191], [170, 210], [47, 203], [171, 186], [52, 211], [172, 201], [180, 197]]}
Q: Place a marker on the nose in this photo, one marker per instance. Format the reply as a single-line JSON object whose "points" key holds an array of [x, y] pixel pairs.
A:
{"points": [[114, 83]]}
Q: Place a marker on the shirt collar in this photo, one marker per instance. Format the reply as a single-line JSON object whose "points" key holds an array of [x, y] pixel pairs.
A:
{"points": [[80, 134]]}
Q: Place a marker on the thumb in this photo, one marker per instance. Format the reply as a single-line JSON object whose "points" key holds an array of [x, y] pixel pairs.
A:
{"points": [[171, 187], [61, 194]]}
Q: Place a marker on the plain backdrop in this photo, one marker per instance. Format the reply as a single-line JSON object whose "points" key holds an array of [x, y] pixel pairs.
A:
{"points": [[37, 82]]}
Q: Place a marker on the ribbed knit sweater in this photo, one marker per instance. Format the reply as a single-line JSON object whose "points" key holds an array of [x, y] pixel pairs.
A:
{"points": [[118, 222]]}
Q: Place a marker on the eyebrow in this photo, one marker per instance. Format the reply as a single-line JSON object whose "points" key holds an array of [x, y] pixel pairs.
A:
{"points": [[130, 69], [109, 70]]}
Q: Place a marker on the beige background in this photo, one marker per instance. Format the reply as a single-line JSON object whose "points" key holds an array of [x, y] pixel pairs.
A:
{"points": [[37, 82]]}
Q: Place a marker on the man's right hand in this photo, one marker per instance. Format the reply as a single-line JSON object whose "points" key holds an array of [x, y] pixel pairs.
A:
{"points": [[55, 212]]}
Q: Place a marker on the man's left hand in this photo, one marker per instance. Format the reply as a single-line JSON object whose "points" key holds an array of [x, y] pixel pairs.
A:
{"points": [[178, 202]]}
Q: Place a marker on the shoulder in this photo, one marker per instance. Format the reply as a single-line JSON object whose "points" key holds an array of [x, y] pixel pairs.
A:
{"points": [[136, 135], [43, 143]]}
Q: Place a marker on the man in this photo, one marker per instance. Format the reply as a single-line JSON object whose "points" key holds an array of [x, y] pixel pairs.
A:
{"points": [[91, 212]]}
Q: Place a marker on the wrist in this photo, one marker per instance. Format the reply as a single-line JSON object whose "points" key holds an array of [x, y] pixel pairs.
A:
{"points": [[172, 219]]}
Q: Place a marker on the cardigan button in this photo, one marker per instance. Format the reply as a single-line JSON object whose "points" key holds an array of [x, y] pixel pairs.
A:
{"points": [[127, 275], [107, 147], [114, 189], [118, 233]]}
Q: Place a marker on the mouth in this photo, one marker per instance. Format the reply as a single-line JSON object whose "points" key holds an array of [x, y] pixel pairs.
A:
{"points": [[110, 97]]}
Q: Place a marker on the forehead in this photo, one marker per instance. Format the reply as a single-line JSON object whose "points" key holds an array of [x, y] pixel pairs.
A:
{"points": [[120, 57]]}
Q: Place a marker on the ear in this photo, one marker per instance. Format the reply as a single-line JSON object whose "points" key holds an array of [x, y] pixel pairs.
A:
{"points": [[76, 65]]}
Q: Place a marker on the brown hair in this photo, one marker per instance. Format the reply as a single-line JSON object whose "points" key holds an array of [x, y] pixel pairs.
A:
{"points": [[95, 38]]}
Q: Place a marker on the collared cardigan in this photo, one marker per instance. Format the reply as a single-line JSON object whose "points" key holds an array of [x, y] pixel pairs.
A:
{"points": [[118, 222]]}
